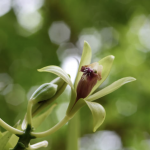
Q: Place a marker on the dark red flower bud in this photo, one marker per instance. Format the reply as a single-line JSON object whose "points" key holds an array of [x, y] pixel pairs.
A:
{"points": [[91, 73]]}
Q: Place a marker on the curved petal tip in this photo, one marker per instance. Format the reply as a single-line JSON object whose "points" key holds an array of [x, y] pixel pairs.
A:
{"points": [[112, 57]]}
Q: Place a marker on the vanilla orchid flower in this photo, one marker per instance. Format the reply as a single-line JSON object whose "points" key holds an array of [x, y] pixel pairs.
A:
{"points": [[88, 79]]}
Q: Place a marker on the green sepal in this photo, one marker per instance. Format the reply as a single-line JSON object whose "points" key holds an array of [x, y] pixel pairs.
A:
{"points": [[106, 62], [98, 113], [85, 60], [109, 89]]}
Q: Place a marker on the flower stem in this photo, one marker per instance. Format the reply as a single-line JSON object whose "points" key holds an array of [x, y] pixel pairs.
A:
{"points": [[10, 128], [52, 130], [73, 133], [29, 113]]}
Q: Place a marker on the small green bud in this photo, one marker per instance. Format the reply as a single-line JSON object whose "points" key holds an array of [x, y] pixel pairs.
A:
{"points": [[61, 85], [44, 92]]}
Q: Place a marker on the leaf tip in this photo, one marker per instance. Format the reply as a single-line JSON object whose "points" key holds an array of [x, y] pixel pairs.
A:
{"points": [[39, 70], [86, 44], [133, 79], [94, 130], [112, 57], [130, 79], [69, 75]]}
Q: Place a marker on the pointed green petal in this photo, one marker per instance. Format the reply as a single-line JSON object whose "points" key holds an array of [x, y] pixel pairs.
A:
{"points": [[37, 121], [114, 86], [98, 113], [85, 60], [106, 62], [58, 71]]}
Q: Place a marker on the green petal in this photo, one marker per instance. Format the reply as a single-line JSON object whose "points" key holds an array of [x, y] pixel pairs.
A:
{"points": [[37, 121], [85, 60], [114, 86], [106, 62], [59, 72], [98, 113]]}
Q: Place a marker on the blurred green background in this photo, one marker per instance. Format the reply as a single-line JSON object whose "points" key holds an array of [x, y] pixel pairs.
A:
{"points": [[38, 33]]}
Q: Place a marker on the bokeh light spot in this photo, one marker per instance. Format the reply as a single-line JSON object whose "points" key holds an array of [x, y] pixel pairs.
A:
{"points": [[27, 5], [110, 37], [14, 94], [144, 34], [68, 50], [5, 6], [70, 65], [102, 140], [93, 37], [30, 21], [126, 108], [59, 32], [5, 80]]}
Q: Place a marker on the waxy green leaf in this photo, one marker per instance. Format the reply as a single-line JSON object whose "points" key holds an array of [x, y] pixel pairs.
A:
{"points": [[85, 60], [109, 89], [98, 113]]}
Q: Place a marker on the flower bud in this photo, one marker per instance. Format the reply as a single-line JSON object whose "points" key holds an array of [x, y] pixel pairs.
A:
{"points": [[44, 96], [44, 92], [91, 73], [54, 94]]}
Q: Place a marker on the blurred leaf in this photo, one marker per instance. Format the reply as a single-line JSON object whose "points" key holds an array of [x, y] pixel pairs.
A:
{"points": [[98, 113], [109, 89]]}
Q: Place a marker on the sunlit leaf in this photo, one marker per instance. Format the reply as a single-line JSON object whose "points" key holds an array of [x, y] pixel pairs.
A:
{"points": [[98, 113], [85, 60], [107, 64], [58, 71], [109, 89]]}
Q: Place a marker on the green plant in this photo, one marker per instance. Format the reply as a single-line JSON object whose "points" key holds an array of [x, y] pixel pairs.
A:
{"points": [[81, 94]]}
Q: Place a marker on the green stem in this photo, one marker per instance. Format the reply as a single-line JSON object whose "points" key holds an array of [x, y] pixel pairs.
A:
{"points": [[53, 129], [73, 133], [29, 113], [10, 128], [24, 139]]}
